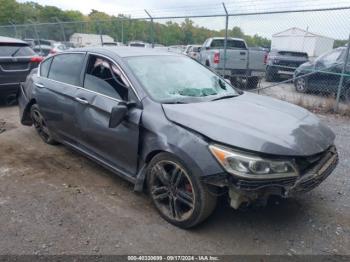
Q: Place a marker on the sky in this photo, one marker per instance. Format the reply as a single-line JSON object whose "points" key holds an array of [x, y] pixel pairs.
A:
{"points": [[335, 24]]}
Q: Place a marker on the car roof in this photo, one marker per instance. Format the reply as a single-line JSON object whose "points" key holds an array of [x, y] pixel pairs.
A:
{"points": [[10, 40], [125, 51]]}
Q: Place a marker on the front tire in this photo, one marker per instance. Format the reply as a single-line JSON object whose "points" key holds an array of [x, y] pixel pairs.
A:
{"points": [[178, 195], [40, 125], [301, 85]]}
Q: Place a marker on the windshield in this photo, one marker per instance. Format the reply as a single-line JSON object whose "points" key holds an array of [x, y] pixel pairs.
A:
{"points": [[178, 79]]}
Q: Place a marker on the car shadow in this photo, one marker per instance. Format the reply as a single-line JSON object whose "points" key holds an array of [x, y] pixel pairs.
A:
{"points": [[278, 213]]}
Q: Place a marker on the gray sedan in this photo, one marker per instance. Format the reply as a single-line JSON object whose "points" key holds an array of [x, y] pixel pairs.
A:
{"points": [[174, 128]]}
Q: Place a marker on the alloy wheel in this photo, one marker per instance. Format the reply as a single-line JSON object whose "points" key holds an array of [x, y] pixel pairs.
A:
{"points": [[40, 125], [301, 85], [172, 190]]}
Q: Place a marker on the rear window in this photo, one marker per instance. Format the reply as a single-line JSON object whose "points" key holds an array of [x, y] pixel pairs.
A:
{"points": [[296, 54], [67, 68], [15, 50], [219, 43]]}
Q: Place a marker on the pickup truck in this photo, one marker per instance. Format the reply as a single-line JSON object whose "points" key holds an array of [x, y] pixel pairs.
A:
{"points": [[244, 66], [283, 63]]}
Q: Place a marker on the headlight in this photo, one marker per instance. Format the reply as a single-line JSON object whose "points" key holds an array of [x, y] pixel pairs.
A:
{"points": [[251, 166]]}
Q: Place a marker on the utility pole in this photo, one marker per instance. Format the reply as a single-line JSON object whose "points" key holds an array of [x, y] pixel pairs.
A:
{"points": [[152, 28]]}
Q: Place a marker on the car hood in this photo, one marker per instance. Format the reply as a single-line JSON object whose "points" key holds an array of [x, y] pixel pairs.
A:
{"points": [[256, 123]]}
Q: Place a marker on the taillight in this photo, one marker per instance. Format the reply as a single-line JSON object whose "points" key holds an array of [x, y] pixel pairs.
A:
{"points": [[216, 59], [265, 58], [36, 59]]}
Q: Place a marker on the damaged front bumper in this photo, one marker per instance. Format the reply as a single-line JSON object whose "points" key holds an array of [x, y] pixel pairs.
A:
{"points": [[244, 190]]}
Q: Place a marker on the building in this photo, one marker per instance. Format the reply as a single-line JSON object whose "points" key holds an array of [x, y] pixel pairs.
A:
{"points": [[81, 40], [296, 39]]}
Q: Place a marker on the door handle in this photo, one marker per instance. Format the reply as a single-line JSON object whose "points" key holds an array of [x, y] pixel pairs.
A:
{"points": [[39, 85], [82, 100]]}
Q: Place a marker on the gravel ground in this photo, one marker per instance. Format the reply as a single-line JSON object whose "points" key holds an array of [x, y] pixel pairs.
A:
{"points": [[54, 201]]}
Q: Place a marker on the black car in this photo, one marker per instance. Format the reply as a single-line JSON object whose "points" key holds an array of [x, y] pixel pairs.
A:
{"points": [[327, 72], [17, 59], [283, 63], [169, 125]]}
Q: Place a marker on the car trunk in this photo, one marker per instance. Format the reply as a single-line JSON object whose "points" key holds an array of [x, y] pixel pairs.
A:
{"points": [[16, 61]]}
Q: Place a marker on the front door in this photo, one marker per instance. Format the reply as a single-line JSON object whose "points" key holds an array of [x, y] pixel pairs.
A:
{"points": [[103, 89]]}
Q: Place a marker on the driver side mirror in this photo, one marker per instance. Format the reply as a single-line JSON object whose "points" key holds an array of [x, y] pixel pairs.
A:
{"points": [[118, 114]]}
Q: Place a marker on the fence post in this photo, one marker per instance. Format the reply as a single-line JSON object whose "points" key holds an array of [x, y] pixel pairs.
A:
{"points": [[341, 81], [14, 27], [100, 30], [123, 30], [225, 42], [62, 28], [36, 34], [152, 29]]}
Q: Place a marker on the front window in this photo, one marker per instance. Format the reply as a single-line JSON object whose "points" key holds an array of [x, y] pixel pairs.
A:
{"points": [[329, 59], [178, 79]]}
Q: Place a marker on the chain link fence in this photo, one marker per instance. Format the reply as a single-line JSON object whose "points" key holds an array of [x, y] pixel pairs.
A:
{"points": [[306, 48]]}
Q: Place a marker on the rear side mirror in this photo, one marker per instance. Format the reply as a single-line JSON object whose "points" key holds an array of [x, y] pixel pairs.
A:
{"points": [[118, 114]]}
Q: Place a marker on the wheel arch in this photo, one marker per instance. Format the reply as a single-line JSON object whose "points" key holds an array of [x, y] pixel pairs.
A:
{"points": [[26, 118]]}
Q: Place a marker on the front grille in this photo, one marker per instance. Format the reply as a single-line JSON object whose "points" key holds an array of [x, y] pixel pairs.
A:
{"points": [[247, 184], [319, 172]]}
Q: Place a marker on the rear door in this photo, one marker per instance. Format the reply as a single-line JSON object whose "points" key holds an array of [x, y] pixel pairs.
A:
{"points": [[16, 61], [60, 78], [104, 87]]}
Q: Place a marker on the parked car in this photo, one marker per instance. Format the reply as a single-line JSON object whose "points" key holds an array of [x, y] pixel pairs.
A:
{"points": [[139, 44], [243, 66], [17, 59], [194, 51], [187, 49], [42, 50], [283, 63], [179, 49], [58, 47], [170, 125], [113, 44], [327, 80]]}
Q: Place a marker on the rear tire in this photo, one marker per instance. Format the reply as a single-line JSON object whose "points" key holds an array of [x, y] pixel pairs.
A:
{"points": [[178, 195], [40, 125], [271, 75], [252, 82]]}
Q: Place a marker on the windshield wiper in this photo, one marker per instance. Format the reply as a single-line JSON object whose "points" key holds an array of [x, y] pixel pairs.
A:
{"points": [[223, 97], [13, 54], [174, 102]]}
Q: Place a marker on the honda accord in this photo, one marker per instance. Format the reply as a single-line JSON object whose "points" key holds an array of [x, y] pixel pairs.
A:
{"points": [[176, 129]]}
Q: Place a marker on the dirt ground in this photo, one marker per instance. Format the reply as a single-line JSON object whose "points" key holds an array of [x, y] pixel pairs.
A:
{"points": [[54, 201]]}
